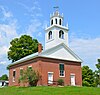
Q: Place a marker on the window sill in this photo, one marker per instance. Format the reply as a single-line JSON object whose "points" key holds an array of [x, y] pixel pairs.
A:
{"points": [[62, 76]]}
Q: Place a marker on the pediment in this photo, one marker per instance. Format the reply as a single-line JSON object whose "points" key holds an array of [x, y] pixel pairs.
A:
{"points": [[61, 52]]}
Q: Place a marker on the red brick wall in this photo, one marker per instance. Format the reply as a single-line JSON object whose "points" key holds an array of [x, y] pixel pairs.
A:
{"points": [[51, 65], [35, 66], [45, 65]]}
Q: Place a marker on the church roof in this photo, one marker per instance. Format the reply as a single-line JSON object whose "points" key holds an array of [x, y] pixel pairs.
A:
{"points": [[60, 51]]}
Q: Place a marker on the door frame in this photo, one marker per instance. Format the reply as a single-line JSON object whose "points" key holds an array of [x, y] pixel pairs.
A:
{"points": [[48, 77], [71, 80]]}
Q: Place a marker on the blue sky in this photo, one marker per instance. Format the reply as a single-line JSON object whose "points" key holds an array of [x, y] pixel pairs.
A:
{"points": [[18, 17]]}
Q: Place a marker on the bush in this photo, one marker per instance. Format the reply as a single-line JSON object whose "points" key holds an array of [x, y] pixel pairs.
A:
{"points": [[30, 76], [60, 82]]}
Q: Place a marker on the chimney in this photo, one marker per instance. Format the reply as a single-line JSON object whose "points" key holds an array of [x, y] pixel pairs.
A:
{"points": [[39, 47]]}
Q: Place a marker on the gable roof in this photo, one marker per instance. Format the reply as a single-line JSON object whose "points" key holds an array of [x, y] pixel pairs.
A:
{"points": [[60, 51], [24, 59]]}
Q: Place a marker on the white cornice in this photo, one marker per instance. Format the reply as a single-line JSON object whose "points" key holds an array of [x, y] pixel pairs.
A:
{"points": [[55, 25], [67, 49]]}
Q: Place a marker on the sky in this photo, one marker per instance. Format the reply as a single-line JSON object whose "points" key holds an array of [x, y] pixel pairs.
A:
{"points": [[19, 17]]}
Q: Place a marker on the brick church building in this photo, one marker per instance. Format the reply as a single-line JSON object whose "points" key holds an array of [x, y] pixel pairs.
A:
{"points": [[56, 61]]}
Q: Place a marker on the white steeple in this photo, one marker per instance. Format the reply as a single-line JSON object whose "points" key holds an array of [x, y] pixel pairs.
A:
{"points": [[56, 33]]}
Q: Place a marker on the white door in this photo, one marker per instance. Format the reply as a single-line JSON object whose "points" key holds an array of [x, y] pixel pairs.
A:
{"points": [[50, 77], [73, 80]]}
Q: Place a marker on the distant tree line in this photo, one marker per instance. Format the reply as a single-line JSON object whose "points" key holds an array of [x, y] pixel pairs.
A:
{"points": [[91, 78], [4, 77]]}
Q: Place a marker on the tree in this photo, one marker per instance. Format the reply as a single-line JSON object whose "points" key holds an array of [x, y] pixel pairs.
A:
{"points": [[97, 73], [87, 77], [21, 47], [4, 77], [30, 76]]}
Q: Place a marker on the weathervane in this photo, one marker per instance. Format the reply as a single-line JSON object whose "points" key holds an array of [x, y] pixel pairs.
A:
{"points": [[56, 7]]}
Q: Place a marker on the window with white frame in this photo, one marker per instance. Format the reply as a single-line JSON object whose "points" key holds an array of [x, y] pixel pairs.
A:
{"points": [[14, 75], [61, 34], [50, 35], [60, 22], [52, 22], [30, 67], [56, 20], [61, 70]]}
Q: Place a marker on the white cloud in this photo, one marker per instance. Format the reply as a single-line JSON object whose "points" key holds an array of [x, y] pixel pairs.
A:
{"points": [[6, 14], [3, 62], [33, 27], [8, 31], [9, 27], [35, 24], [33, 11], [39, 34], [3, 50], [87, 49]]}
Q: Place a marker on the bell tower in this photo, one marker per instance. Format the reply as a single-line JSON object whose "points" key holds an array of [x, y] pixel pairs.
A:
{"points": [[56, 33]]}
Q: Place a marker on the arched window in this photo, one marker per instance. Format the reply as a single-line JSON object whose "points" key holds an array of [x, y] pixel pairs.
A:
{"points": [[50, 35], [52, 22], [56, 21], [59, 21], [61, 34]]}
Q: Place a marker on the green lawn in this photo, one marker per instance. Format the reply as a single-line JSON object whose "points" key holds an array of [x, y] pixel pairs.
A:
{"points": [[49, 91]]}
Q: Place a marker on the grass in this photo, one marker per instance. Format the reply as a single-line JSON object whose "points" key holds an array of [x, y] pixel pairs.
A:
{"points": [[40, 90]]}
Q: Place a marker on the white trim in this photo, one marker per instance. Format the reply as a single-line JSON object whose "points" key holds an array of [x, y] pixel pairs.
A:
{"points": [[64, 70], [48, 78], [53, 49], [30, 66], [61, 76], [51, 72], [21, 68], [61, 63], [49, 40], [72, 84], [55, 25], [13, 79], [72, 74]]}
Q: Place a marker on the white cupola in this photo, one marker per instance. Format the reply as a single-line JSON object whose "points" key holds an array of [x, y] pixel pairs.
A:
{"points": [[56, 33]]}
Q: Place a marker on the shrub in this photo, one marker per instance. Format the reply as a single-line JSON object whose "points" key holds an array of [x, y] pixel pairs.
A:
{"points": [[60, 82], [30, 76]]}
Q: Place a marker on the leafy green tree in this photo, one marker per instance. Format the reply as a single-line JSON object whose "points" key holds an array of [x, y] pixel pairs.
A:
{"points": [[21, 47], [97, 73], [87, 77], [4, 77], [29, 76]]}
